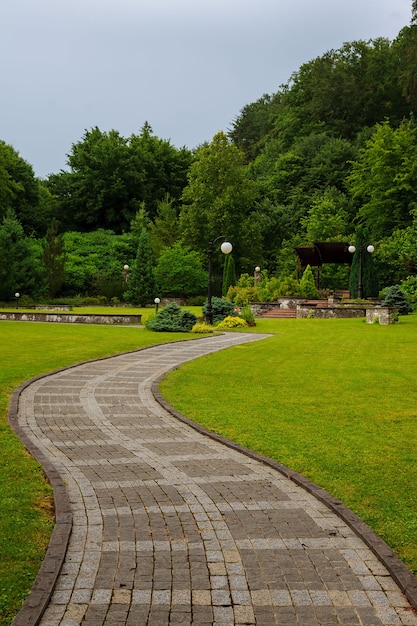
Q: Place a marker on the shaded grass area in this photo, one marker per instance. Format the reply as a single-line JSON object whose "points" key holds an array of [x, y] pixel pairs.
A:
{"points": [[335, 400], [26, 350]]}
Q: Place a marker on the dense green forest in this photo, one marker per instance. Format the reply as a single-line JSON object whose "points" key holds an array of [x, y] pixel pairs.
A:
{"points": [[331, 156]]}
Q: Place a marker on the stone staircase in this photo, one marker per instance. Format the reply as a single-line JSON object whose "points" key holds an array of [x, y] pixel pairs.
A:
{"points": [[275, 313], [287, 313]]}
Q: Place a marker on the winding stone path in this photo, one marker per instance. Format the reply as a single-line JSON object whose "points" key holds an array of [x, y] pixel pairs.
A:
{"points": [[158, 523]]}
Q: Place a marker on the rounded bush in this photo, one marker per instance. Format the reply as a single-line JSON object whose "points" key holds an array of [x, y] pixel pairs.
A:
{"points": [[172, 319], [202, 327], [231, 322]]}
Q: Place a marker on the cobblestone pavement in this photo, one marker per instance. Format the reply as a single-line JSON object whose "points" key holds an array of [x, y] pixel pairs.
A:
{"points": [[159, 524]]}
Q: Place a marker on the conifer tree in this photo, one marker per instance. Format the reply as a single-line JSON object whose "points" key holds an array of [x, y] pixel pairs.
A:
{"points": [[308, 284], [229, 274], [396, 298], [141, 287]]}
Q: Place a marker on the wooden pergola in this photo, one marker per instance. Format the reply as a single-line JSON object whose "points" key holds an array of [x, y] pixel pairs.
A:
{"points": [[323, 252]]}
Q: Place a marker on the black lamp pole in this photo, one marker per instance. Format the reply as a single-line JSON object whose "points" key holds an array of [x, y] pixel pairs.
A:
{"points": [[352, 250], [226, 248]]}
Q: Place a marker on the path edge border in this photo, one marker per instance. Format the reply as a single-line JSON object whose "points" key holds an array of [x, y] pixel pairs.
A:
{"points": [[404, 578]]}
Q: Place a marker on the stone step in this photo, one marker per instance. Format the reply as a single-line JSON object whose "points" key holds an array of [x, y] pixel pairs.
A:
{"points": [[280, 313]]}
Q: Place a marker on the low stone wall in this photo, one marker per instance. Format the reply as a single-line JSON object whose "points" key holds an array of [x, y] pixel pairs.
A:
{"points": [[333, 312], [71, 318], [373, 314], [381, 314]]}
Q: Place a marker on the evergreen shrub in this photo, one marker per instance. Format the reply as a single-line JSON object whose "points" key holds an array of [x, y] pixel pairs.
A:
{"points": [[172, 319], [221, 308], [308, 284], [395, 297]]}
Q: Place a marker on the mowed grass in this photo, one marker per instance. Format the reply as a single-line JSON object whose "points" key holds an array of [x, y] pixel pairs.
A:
{"points": [[335, 400], [26, 350]]}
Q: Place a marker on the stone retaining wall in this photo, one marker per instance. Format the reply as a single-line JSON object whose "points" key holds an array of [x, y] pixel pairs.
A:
{"points": [[71, 318], [373, 314]]}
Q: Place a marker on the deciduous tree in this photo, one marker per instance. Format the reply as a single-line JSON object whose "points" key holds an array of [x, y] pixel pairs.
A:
{"points": [[219, 200]]}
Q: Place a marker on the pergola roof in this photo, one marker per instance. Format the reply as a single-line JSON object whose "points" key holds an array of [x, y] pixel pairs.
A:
{"points": [[324, 252]]}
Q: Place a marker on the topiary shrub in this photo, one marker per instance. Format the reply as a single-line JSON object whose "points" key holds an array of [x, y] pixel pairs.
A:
{"points": [[395, 297], [231, 321], [221, 309], [172, 319]]}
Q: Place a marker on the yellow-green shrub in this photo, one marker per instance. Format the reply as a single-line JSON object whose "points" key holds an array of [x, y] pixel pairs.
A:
{"points": [[231, 322], [202, 327]]}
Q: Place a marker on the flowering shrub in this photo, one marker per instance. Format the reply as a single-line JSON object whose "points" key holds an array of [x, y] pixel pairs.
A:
{"points": [[231, 322]]}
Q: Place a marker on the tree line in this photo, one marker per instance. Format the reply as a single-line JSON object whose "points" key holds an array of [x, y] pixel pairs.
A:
{"points": [[331, 156]]}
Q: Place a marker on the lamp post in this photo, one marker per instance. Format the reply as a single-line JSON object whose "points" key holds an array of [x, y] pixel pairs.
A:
{"points": [[156, 301], [17, 296], [226, 248], [370, 248], [126, 269]]}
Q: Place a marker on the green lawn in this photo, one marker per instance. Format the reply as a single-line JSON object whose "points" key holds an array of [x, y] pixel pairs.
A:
{"points": [[335, 400], [26, 350]]}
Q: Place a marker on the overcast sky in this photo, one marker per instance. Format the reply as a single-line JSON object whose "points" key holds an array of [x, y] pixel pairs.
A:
{"points": [[187, 67]]}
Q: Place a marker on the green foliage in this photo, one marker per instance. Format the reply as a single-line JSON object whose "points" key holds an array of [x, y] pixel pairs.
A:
{"points": [[21, 193], [164, 231], [229, 274], [53, 259], [231, 321], [221, 308], [269, 289], [308, 284], [179, 272], [172, 319], [202, 328], [384, 179], [247, 315], [289, 286], [409, 287], [240, 296], [94, 263], [327, 219], [110, 177], [219, 200], [395, 297], [141, 286], [19, 260]]}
